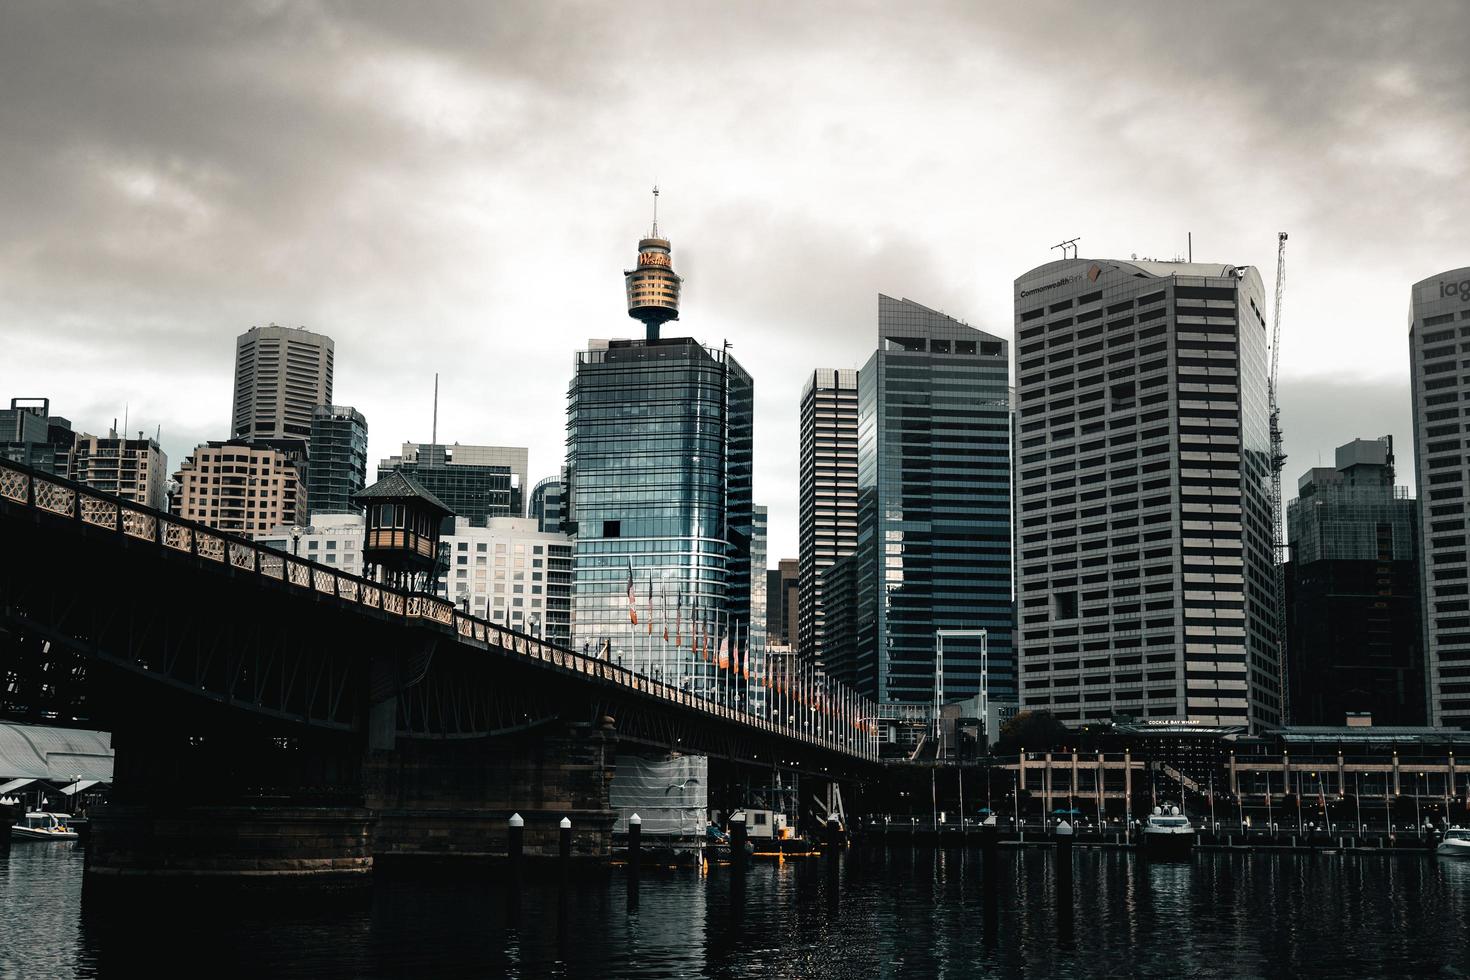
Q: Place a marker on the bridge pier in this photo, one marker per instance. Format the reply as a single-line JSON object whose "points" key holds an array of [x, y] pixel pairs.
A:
{"points": [[443, 801]]}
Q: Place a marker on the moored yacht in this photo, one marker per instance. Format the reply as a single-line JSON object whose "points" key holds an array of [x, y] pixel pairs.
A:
{"points": [[1168, 833], [1456, 843], [42, 826]]}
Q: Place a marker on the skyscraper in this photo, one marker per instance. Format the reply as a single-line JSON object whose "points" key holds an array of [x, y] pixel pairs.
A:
{"points": [[1439, 323], [782, 602], [281, 375], [241, 487], [828, 510], [548, 503], [338, 469], [1144, 581], [476, 482], [659, 444], [1354, 640], [934, 497], [510, 572]]}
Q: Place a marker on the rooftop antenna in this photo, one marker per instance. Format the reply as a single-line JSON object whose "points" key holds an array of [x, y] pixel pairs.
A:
{"points": [[1069, 243], [434, 431], [125, 422], [1191, 245], [655, 212]]}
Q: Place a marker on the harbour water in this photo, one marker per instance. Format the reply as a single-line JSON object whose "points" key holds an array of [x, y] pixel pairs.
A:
{"points": [[912, 913]]}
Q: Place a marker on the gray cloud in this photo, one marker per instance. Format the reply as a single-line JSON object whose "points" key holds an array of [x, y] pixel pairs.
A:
{"points": [[456, 187]]}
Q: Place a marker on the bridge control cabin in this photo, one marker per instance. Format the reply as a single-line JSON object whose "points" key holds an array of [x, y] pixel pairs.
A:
{"points": [[401, 547]]}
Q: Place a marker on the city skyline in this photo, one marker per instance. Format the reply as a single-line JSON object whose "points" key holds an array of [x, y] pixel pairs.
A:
{"points": [[397, 187]]}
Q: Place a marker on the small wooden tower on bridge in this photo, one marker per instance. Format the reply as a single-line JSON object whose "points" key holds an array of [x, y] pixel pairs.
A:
{"points": [[401, 547]]}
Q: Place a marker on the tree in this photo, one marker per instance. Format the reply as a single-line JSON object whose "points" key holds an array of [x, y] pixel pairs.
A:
{"points": [[1033, 730]]}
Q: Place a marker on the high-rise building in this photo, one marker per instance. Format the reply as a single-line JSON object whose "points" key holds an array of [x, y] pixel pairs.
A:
{"points": [[782, 602], [281, 375], [331, 539], [1353, 633], [659, 450], [1145, 577], [240, 487], [510, 572], [828, 509], [476, 482], [135, 469], [32, 436], [760, 605], [548, 503], [1439, 323], [338, 468], [934, 498]]}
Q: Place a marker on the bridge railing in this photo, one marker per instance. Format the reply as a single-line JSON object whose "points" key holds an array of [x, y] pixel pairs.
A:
{"points": [[797, 704]]}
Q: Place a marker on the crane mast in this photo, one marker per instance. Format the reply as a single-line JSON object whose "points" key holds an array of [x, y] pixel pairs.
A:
{"points": [[1278, 461]]}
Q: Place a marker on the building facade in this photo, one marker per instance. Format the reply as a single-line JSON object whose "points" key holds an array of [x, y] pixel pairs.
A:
{"points": [[659, 436], [135, 469], [512, 573], [782, 602], [476, 482], [548, 503], [1439, 337], [281, 375], [337, 471], [934, 498], [240, 487], [331, 539], [828, 506], [1353, 631], [1145, 576], [32, 436]]}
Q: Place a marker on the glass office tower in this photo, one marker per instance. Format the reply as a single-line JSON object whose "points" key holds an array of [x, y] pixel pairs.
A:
{"points": [[337, 469], [476, 482], [934, 504], [659, 439]]}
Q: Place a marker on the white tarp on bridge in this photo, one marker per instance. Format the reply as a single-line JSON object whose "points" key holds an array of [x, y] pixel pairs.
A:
{"points": [[670, 795]]}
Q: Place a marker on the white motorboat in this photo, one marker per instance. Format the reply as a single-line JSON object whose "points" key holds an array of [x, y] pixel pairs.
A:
{"points": [[1168, 833], [1456, 843], [42, 826]]}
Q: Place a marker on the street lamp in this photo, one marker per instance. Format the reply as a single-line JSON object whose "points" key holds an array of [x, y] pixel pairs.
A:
{"points": [[296, 532]]}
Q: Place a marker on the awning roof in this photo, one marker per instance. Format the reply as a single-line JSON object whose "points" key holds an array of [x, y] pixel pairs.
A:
{"points": [[57, 755]]}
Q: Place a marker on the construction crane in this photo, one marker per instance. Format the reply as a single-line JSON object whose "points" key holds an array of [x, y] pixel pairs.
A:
{"points": [[1278, 461]]}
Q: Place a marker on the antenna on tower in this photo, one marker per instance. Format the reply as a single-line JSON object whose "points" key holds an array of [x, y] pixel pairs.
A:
{"points": [[434, 431], [655, 212], [1069, 243]]}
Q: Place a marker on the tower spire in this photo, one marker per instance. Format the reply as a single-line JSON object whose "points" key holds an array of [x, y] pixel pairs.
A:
{"points": [[653, 287], [655, 212]]}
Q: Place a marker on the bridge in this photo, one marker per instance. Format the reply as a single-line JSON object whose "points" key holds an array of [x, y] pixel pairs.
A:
{"points": [[277, 717]]}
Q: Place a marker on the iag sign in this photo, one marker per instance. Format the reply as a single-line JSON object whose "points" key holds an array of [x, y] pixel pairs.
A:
{"points": [[1455, 290]]}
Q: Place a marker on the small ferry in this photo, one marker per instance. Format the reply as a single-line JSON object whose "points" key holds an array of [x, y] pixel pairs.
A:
{"points": [[1456, 843], [1168, 833], [43, 826]]}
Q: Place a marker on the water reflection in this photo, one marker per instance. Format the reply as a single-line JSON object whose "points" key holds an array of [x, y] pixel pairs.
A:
{"points": [[908, 913]]}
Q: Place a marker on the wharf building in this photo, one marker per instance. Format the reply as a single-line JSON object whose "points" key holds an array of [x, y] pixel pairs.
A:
{"points": [[1354, 643], [281, 375], [1439, 346], [239, 486], [658, 482], [476, 482], [134, 469], [32, 436], [1145, 571], [828, 508], [934, 512], [338, 469]]}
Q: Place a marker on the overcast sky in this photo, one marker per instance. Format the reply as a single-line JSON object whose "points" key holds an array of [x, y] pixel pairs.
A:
{"points": [[457, 187]]}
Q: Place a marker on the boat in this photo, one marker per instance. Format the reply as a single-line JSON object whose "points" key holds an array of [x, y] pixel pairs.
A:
{"points": [[771, 835], [43, 826], [1168, 834], [1456, 843]]}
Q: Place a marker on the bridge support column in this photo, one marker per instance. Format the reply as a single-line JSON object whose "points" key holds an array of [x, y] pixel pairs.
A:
{"points": [[447, 801]]}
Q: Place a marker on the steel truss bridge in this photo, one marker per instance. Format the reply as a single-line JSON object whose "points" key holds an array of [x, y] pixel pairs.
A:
{"points": [[89, 580]]}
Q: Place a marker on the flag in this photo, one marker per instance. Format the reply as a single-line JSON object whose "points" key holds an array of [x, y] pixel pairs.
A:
{"points": [[725, 652], [664, 597], [678, 619], [632, 599]]}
